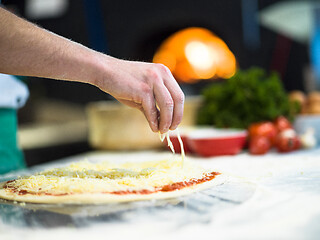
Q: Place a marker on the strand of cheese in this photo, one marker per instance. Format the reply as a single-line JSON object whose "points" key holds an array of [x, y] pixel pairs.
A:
{"points": [[181, 147], [166, 135], [170, 143], [162, 136]]}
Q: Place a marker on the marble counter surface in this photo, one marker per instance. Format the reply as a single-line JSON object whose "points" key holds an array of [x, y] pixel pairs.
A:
{"points": [[275, 196]]}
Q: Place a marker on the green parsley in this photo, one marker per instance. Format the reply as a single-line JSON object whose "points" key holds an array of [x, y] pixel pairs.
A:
{"points": [[249, 96]]}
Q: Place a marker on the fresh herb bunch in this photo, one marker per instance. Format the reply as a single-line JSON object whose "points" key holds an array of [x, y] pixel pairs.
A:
{"points": [[247, 97]]}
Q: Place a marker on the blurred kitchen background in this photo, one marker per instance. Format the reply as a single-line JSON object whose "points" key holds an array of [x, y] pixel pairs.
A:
{"points": [[202, 42]]}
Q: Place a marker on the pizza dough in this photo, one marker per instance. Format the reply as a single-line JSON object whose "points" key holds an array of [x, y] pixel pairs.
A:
{"points": [[111, 182]]}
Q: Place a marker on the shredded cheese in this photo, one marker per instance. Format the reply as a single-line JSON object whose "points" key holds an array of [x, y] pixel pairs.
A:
{"points": [[170, 145], [86, 177], [162, 136], [181, 147]]}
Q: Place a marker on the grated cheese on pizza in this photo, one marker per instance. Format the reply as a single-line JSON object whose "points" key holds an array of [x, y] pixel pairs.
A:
{"points": [[108, 177]]}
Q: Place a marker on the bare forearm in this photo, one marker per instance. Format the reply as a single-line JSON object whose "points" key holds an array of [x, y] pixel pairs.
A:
{"points": [[28, 50]]}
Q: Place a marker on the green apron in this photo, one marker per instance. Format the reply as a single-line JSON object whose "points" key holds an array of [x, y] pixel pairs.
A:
{"points": [[11, 157]]}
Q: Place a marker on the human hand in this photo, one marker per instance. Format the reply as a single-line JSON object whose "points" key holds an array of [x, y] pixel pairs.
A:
{"points": [[145, 86]]}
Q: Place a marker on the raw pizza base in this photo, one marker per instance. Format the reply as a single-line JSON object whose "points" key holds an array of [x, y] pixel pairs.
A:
{"points": [[104, 198]]}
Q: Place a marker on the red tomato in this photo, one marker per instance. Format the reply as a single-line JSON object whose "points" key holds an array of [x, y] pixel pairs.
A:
{"points": [[281, 123], [287, 141], [259, 145], [266, 129]]}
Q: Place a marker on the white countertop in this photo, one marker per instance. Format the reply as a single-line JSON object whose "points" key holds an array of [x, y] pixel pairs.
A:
{"points": [[267, 197]]}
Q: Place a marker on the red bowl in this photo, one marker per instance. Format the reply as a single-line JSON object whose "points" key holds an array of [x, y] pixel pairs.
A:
{"points": [[215, 142]]}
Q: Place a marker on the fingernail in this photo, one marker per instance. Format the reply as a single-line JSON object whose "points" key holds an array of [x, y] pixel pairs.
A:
{"points": [[172, 128], [164, 131]]}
